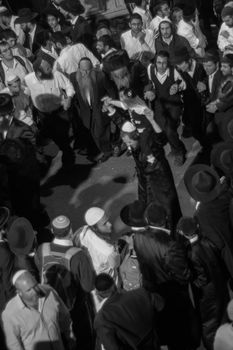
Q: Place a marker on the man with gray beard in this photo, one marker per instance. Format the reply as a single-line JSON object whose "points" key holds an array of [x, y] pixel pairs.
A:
{"points": [[91, 85]]}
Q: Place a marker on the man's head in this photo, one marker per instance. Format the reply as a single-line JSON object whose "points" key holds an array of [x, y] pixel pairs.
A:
{"points": [[210, 63], [14, 85], [5, 51], [10, 37], [61, 227], [227, 65], [43, 69], [163, 9], [104, 285], [165, 29], [129, 135], [135, 23], [141, 3], [52, 20], [5, 16], [104, 44], [27, 287], [156, 216], [189, 13], [59, 41], [177, 15], [85, 66], [188, 227], [97, 219], [162, 61], [227, 16], [71, 8]]}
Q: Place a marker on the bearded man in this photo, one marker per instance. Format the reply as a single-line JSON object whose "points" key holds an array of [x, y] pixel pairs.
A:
{"points": [[51, 94], [91, 86]]}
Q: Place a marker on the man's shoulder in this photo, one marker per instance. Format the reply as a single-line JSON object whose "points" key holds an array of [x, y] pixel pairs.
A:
{"points": [[31, 77], [126, 34], [11, 307]]}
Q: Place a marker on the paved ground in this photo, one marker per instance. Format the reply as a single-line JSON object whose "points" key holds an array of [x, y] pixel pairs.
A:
{"points": [[110, 185]]}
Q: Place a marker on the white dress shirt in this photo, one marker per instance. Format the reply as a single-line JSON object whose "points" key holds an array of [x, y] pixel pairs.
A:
{"points": [[133, 46], [224, 42], [47, 95], [187, 31], [68, 61], [18, 69]]}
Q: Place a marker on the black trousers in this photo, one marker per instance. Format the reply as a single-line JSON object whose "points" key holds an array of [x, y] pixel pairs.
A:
{"points": [[56, 126], [168, 118], [158, 186]]}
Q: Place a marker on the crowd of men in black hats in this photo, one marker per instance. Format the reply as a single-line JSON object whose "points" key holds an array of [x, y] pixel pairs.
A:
{"points": [[69, 85]]}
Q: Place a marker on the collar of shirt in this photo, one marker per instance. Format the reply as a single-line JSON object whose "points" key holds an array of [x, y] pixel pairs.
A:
{"points": [[168, 41], [107, 53], [15, 63], [50, 53], [32, 33], [162, 77], [192, 68], [74, 20], [64, 242], [211, 76], [136, 36]]}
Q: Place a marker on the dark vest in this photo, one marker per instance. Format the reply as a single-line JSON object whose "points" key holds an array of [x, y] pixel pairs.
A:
{"points": [[162, 90]]}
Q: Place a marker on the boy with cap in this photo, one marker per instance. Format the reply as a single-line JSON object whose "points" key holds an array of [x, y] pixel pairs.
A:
{"points": [[209, 283], [75, 266]]}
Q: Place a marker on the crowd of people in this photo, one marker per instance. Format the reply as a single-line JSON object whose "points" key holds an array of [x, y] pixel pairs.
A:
{"points": [[70, 85]]}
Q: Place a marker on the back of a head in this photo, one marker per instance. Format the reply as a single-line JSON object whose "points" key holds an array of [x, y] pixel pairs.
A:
{"points": [[187, 226], [8, 34], [43, 37], [156, 215], [59, 37], [103, 282], [135, 16], [107, 40], [61, 226]]}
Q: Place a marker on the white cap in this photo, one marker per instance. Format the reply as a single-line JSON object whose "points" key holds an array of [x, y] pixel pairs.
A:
{"points": [[128, 127], [3, 9], [93, 215], [17, 275], [11, 78]]}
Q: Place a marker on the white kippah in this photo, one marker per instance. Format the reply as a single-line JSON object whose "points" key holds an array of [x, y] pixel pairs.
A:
{"points": [[128, 127], [3, 9], [61, 222], [17, 275], [93, 215]]}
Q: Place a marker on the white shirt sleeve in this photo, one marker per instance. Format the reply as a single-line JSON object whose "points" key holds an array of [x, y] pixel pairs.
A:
{"points": [[222, 41], [89, 54], [188, 33], [64, 83], [149, 41]]}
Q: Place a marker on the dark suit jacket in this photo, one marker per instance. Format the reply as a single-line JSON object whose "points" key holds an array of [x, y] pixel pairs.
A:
{"points": [[81, 33], [218, 77], [6, 271], [123, 323]]}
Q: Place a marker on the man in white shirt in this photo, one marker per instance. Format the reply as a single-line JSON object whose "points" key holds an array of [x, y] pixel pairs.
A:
{"points": [[163, 12], [51, 94], [141, 9], [70, 55], [225, 36], [12, 65], [137, 41], [36, 316], [189, 29]]}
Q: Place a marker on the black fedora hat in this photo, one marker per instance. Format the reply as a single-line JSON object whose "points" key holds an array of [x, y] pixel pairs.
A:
{"points": [[21, 236], [180, 55], [115, 61], [6, 104], [4, 216], [25, 15], [202, 183], [73, 6], [156, 215], [222, 157], [133, 214]]}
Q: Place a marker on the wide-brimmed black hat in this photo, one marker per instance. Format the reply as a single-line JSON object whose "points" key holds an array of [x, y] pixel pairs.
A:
{"points": [[21, 236], [156, 215], [116, 60], [6, 104], [189, 10], [225, 128], [222, 157], [180, 55], [25, 15], [4, 216], [133, 214], [202, 183], [73, 6]]}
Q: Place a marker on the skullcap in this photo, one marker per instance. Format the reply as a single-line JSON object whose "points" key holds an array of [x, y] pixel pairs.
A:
{"points": [[93, 215], [17, 275], [3, 9], [128, 127], [61, 222]]}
